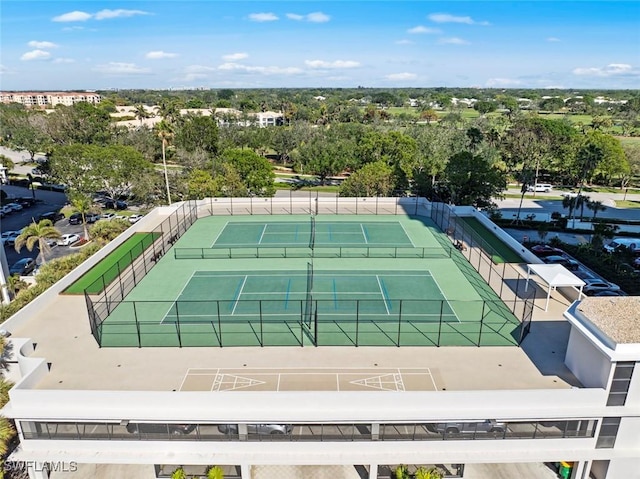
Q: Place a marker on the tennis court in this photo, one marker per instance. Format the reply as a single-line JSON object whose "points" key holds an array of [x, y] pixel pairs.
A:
{"points": [[273, 295], [270, 300], [313, 233]]}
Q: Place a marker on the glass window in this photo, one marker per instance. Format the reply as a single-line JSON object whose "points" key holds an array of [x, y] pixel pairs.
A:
{"points": [[608, 432]]}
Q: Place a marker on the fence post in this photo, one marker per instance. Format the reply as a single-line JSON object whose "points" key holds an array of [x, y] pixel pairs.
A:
{"points": [[440, 322], [178, 324], [135, 316], [484, 303], [219, 322], [399, 324], [357, 321], [261, 325]]}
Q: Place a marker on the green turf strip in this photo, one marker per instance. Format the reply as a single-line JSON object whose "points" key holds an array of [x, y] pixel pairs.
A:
{"points": [[108, 267], [501, 252]]}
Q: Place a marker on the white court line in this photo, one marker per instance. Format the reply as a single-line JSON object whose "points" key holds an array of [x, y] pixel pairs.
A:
{"points": [[405, 232], [278, 384], [348, 273], [445, 298], [401, 383], [384, 299], [264, 228], [176, 300], [219, 233], [364, 235], [239, 295]]}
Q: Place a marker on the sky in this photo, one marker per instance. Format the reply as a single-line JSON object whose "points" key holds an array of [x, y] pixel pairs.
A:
{"points": [[162, 44]]}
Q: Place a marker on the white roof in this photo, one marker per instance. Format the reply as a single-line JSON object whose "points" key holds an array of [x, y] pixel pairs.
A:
{"points": [[556, 275]]}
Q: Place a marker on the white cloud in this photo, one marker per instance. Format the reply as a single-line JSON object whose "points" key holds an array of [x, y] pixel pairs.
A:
{"points": [[119, 13], [404, 42], [318, 17], [332, 65], [73, 28], [41, 45], [401, 76], [193, 69], [448, 18], [121, 68], [553, 39], [421, 29], [263, 17], [235, 56], [612, 69], [452, 41], [498, 82], [159, 55], [35, 55], [314, 17], [64, 60], [4, 70], [75, 16]]}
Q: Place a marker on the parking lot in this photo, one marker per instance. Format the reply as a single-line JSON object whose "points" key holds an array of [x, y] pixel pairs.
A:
{"points": [[46, 201]]}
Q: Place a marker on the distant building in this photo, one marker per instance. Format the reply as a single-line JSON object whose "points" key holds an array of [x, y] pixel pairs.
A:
{"points": [[48, 99]]}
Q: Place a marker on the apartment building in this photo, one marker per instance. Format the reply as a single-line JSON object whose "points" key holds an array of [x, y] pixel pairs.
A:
{"points": [[49, 99], [100, 387]]}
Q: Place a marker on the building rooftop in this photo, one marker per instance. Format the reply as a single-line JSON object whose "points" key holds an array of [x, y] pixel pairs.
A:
{"points": [[58, 327], [618, 317]]}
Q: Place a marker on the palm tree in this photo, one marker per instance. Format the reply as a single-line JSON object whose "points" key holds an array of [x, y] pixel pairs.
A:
{"points": [[82, 204], [569, 202], [141, 113], [38, 234], [165, 133], [595, 206], [215, 472], [581, 202]]}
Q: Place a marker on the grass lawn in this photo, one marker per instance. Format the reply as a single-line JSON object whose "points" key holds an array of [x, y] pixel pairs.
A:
{"points": [[531, 197], [501, 252], [108, 268], [627, 204]]}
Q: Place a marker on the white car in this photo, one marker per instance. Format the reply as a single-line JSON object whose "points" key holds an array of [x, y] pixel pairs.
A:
{"points": [[595, 285], [68, 239], [8, 238], [13, 207], [135, 218], [108, 216]]}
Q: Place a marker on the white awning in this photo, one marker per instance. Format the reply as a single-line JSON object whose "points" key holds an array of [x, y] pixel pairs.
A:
{"points": [[554, 276]]}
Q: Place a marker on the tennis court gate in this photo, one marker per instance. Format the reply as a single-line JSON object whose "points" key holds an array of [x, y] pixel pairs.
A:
{"points": [[479, 256]]}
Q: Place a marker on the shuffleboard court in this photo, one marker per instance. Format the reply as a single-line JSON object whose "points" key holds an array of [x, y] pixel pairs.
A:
{"points": [[378, 296], [318, 233], [300, 379]]}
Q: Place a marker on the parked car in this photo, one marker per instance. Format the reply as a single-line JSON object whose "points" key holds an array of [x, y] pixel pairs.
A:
{"points": [[52, 216], [155, 428], [632, 244], [570, 264], [23, 267], [13, 206], [543, 250], [595, 285], [92, 217], [257, 428], [68, 239], [107, 216], [115, 205], [75, 219], [484, 427], [8, 238], [135, 218]]}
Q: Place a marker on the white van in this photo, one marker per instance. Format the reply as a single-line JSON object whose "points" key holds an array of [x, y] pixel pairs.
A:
{"points": [[540, 188], [632, 243]]}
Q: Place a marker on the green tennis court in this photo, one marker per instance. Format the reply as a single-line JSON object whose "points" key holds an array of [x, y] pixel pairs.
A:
{"points": [[312, 232], [275, 295]]}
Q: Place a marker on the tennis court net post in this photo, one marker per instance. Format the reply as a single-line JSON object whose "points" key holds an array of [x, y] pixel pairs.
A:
{"points": [[308, 313]]}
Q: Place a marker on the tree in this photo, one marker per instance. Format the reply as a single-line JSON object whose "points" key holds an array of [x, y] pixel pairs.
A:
{"points": [[198, 132], [473, 180], [164, 130], [254, 170], [429, 115], [80, 123], [431, 473], [82, 204], [570, 203], [179, 474], [552, 104], [484, 107], [595, 206], [105, 231], [38, 234], [141, 113], [373, 179], [202, 184]]}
